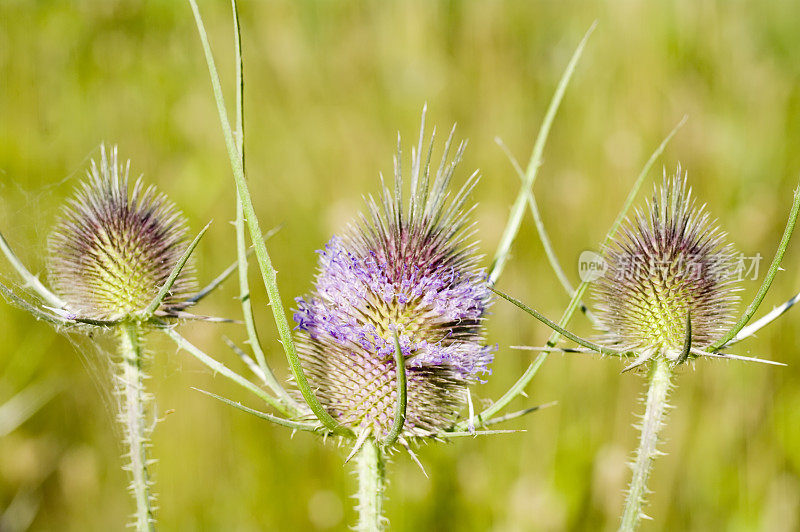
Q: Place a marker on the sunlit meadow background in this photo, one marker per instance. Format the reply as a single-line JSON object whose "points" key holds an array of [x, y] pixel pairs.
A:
{"points": [[328, 84]]}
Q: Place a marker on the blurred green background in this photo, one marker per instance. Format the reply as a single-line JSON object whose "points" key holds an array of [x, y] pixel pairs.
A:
{"points": [[328, 84]]}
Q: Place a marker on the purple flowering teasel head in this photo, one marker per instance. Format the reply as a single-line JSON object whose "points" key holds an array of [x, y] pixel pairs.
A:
{"points": [[669, 267], [412, 270], [112, 250]]}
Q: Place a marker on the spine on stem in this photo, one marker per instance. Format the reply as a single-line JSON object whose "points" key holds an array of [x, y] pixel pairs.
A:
{"points": [[371, 485], [132, 406], [655, 410]]}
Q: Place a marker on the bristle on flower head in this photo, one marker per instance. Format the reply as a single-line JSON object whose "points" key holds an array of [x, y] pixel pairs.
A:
{"points": [[410, 270], [111, 252], [668, 265]]}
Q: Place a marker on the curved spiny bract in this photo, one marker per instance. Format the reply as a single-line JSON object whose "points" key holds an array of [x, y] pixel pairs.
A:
{"points": [[407, 269], [111, 251], [669, 265]]}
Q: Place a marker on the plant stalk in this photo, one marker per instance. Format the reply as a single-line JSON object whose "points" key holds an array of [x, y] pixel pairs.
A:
{"points": [[656, 407], [371, 484], [132, 417]]}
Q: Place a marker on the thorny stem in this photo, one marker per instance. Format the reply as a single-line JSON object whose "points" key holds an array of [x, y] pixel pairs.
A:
{"points": [[132, 417], [656, 407], [371, 485]]}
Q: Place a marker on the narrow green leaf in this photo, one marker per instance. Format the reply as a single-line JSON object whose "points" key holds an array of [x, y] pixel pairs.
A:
{"points": [[553, 325], [519, 413], [773, 270], [467, 434], [687, 341], [519, 386], [30, 280], [223, 370], [37, 313], [268, 272], [147, 313], [765, 320], [294, 425], [544, 237], [227, 272], [241, 243], [518, 209], [400, 404], [15, 411]]}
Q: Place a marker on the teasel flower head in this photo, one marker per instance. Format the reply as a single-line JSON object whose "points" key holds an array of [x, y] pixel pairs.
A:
{"points": [[406, 271], [113, 249], [668, 271]]}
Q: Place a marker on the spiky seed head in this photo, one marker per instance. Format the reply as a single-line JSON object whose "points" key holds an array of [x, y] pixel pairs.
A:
{"points": [[112, 250], [413, 270], [670, 263]]}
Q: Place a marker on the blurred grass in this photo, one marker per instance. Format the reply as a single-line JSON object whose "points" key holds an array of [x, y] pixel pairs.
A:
{"points": [[327, 86]]}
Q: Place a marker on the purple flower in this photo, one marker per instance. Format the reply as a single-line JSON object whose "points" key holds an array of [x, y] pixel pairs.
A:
{"points": [[407, 269]]}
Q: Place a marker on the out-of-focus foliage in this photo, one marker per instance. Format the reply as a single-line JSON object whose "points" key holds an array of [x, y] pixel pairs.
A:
{"points": [[327, 86]]}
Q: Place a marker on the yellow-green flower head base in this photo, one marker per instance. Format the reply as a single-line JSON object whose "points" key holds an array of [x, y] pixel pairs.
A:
{"points": [[111, 251], [668, 265]]}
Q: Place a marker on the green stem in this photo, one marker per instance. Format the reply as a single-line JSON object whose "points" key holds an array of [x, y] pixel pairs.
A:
{"points": [[656, 407], [371, 484], [132, 417]]}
